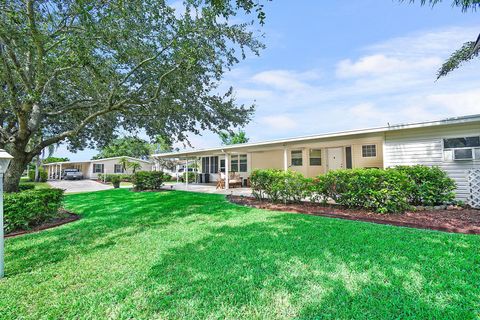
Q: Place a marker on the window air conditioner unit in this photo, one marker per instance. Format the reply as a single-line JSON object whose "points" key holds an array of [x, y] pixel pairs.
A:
{"points": [[463, 154]]}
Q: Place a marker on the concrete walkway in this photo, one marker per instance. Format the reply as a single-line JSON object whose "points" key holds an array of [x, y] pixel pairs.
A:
{"points": [[208, 188], [74, 186]]}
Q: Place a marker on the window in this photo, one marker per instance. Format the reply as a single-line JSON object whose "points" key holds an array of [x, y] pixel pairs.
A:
{"points": [[118, 168], [466, 142], [98, 168], [234, 164], [315, 157], [222, 165], [238, 163], [296, 158], [369, 150], [210, 164], [243, 163]]}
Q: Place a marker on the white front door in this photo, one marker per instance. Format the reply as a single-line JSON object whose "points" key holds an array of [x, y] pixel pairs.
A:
{"points": [[335, 158]]}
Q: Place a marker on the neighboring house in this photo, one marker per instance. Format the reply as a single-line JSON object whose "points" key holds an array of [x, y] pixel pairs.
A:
{"points": [[173, 167], [452, 144], [92, 168]]}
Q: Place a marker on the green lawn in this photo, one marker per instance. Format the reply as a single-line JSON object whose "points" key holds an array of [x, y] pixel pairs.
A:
{"points": [[38, 185], [182, 255]]}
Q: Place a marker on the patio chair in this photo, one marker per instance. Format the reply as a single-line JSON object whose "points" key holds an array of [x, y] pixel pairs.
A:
{"points": [[235, 180], [221, 180]]}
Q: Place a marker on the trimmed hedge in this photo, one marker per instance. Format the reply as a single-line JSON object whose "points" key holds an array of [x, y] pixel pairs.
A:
{"points": [[383, 191], [124, 177], [278, 185], [431, 186], [26, 186], [23, 210], [392, 190], [148, 180], [42, 172]]}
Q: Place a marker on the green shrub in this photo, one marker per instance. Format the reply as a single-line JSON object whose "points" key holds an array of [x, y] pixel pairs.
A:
{"points": [[192, 176], [26, 186], [115, 180], [109, 177], [383, 191], [431, 185], [42, 172], [278, 185], [26, 209], [148, 180]]}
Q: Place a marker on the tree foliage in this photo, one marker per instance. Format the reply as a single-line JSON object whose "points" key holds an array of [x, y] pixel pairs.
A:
{"points": [[127, 146], [229, 138], [52, 159], [77, 71], [469, 49]]}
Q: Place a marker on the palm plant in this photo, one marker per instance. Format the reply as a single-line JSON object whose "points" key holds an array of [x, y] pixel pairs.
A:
{"points": [[124, 163], [134, 166]]}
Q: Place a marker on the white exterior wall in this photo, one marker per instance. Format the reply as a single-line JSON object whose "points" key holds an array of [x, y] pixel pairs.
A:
{"points": [[425, 146], [109, 167]]}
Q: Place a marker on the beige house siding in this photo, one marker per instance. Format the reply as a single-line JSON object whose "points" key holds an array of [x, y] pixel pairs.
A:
{"points": [[109, 167], [274, 158]]}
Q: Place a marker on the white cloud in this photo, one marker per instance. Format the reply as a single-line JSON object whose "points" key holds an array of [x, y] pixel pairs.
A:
{"points": [[279, 122], [378, 64]]}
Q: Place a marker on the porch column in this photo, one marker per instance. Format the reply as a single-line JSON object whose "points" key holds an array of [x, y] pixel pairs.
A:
{"points": [[48, 172], [60, 173], [285, 158], [186, 173], [227, 168]]}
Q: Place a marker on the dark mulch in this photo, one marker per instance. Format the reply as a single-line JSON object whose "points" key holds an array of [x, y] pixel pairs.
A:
{"points": [[458, 220], [63, 217]]}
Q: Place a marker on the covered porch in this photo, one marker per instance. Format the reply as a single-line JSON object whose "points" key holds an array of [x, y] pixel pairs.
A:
{"points": [[55, 170]]}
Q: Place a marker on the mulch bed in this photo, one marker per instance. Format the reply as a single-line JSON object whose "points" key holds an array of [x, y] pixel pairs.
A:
{"points": [[63, 218], [458, 220]]}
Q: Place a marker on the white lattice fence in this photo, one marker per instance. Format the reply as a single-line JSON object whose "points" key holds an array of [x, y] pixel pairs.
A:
{"points": [[474, 186]]}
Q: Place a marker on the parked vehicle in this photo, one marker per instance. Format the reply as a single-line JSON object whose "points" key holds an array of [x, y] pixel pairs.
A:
{"points": [[72, 174]]}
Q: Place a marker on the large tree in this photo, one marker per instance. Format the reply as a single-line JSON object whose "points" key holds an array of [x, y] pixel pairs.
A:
{"points": [[127, 146], [469, 50], [77, 71], [230, 137]]}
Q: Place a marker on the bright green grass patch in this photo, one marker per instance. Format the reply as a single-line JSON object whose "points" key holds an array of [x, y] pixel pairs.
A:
{"points": [[184, 256]]}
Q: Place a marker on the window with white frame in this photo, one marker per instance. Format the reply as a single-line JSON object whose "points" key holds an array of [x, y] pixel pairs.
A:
{"points": [[296, 157], [315, 157], [369, 150], [464, 142], [118, 168], [98, 168], [238, 163]]}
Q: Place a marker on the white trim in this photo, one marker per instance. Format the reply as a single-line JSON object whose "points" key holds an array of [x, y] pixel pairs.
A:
{"points": [[96, 160]]}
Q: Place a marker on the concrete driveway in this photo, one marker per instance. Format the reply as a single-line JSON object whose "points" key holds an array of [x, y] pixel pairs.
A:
{"points": [[73, 186]]}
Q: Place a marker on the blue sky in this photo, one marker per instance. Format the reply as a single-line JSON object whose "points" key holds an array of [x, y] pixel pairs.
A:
{"points": [[338, 65]]}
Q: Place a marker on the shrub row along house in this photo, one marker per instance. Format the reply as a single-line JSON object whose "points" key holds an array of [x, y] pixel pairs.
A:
{"points": [[91, 169], [452, 144]]}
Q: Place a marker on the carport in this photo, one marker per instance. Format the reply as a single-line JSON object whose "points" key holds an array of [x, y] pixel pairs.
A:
{"points": [[54, 170]]}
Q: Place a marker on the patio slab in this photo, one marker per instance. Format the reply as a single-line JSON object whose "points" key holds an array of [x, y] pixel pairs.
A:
{"points": [[209, 188]]}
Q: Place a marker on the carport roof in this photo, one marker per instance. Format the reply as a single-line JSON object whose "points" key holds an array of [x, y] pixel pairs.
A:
{"points": [[96, 160]]}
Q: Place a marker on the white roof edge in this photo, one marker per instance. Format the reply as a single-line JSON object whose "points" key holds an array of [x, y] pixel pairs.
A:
{"points": [[448, 121], [96, 160]]}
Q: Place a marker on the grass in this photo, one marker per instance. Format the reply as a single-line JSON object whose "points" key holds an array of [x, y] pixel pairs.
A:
{"points": [[184, 256], [38, 185]]}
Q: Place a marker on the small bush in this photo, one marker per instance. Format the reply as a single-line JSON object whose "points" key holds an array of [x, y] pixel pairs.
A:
{"points": [[115, 180], [109, 177], [192, 176], [278, 185], [26, 209], [42, 173], [383, 191], [430, 186], [26, 186], [148, 180]]}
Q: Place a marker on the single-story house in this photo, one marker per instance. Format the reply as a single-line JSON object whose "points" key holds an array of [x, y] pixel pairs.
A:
{"points": [[452, 144], [92, 168]]}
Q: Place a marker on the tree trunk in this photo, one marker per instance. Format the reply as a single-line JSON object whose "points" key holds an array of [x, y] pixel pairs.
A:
{"points": [[14, 172], [37, 169]]}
